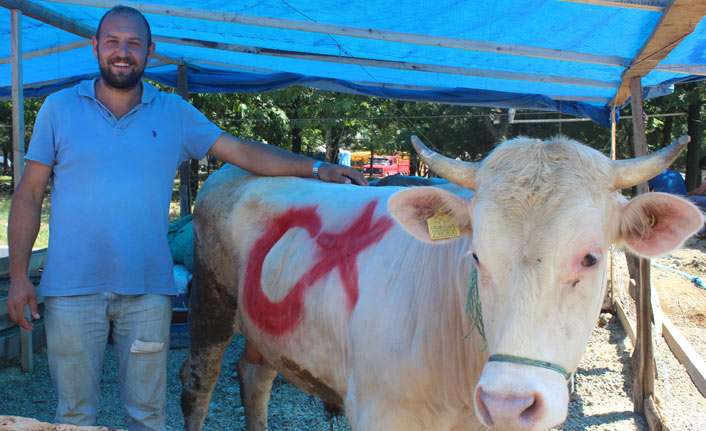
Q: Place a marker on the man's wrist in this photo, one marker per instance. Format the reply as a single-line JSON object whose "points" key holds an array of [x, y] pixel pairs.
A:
{"points": [[315, 169]]}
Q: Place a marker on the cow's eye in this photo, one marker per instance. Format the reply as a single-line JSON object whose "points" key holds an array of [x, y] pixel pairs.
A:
{"points": [[588, 261]]}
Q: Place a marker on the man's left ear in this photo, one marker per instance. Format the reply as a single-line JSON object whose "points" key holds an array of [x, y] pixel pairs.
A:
{"points": [[94, 43], [150, 52], [654, 224]]}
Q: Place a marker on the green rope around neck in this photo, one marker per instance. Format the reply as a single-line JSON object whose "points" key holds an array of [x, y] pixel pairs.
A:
{"points": [[532, 362], [475, 316]]}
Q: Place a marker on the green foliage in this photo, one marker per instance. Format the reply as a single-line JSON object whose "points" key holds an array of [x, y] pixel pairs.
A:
{"points": [[310, 120], [5, 200]]}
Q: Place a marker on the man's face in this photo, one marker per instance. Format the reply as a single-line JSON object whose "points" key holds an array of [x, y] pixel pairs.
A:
{"points": [[122, 50]]}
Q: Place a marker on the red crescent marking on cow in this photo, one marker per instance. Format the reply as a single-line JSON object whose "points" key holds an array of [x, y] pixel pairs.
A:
{"points": [[336, 250]]}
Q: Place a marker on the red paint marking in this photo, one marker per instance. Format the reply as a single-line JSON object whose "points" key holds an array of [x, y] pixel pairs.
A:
{"points": [[336, 250]]}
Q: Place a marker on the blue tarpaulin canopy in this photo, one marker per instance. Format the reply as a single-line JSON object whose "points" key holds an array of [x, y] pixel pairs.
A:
{"points": [[574, 56]]}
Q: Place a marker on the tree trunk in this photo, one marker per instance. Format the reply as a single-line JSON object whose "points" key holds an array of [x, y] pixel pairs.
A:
{"points": [[693, 153], [332, 137], [667, 131], [499, 131], [194, 178], [296, 139]]}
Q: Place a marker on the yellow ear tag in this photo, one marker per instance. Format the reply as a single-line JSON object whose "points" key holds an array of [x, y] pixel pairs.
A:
{"points": [[441, 226]]}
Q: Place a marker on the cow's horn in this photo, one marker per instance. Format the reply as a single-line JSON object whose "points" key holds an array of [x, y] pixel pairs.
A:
{"points": [[456, 171], [631, 172]]}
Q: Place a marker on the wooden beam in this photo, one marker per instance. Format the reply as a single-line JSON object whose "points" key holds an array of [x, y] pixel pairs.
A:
{"points": [[683, 68], [677, 22], [55, 19], [247, 68], [625, 321], [680, 346], [418, 67], [50, 50], [18, 123], [360, 32], [656, 5], [684, 352], [151, 64]]}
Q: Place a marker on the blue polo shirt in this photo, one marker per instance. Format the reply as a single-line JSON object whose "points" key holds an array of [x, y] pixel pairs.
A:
{"points": [[111, 187]]}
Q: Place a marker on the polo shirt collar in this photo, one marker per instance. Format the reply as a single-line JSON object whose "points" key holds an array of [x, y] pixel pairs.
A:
{"points": [[88, 88]]}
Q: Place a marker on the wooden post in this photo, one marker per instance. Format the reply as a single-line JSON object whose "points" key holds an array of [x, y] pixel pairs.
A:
{"points": [[642, 372], [613, 156], [18, 123], [613, 132], [18, 153], [184, 173]]}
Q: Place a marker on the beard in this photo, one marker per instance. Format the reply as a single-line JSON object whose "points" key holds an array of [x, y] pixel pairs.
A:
{"points": [[120, 80]]}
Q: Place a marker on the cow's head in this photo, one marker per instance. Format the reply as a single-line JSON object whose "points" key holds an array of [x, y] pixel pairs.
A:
{"points": [[542, 219]]}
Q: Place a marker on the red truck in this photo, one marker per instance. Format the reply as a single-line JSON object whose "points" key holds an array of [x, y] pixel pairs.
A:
{"points": [[384, 166]]}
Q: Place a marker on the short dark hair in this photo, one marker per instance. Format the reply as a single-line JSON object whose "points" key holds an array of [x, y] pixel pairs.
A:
{"points": [[130, 11], [702, 163]]}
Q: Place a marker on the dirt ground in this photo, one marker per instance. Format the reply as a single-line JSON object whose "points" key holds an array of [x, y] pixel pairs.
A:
{"points": [[682, 301]]}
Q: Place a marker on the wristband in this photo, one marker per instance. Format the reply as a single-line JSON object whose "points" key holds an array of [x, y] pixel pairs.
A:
{"points": [[315, 170]]}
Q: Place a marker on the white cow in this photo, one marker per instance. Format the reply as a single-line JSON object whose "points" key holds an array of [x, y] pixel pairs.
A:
{"points": [[344, 292]]}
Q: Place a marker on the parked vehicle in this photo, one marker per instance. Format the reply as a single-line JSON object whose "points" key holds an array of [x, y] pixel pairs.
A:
{"points": [[383, 166]]}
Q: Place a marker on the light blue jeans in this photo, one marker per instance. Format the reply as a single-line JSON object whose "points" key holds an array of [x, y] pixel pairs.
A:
{"points": [[77, 330]]}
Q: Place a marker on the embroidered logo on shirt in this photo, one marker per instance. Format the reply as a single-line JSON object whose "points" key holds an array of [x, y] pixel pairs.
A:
{"points": [[154, 134]]}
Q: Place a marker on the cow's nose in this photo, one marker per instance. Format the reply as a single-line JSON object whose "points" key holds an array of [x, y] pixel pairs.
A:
{"points": [[515, 411]]}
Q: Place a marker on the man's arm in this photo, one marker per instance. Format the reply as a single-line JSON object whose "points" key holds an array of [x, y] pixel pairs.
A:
{"points": [[23, 226], [268, 160], [700, 190]]}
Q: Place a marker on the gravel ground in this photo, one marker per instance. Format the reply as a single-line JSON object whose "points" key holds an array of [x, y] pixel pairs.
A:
{"points": [[600, 401]]}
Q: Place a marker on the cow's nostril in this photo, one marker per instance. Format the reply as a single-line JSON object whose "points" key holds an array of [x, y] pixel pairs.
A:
{"points": [[482, 409], [509, 410], [531, 413]]}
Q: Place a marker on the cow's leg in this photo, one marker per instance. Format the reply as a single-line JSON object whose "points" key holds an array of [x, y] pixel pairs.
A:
{"points": [[212, 317], [255, 385]]}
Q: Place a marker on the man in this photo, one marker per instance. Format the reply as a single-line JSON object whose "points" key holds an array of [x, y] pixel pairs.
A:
{"points": [[671, 181], [112, 146], [668, 181], [698, 195]]}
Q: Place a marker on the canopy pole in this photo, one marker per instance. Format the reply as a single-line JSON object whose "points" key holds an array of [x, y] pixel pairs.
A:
{"points": [[613, 133], [184, 173], [18, 152], [642, 371], [18, 123]]}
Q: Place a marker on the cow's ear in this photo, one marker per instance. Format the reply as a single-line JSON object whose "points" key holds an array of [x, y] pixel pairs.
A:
{"points": [[654, 224], [414, 207]]}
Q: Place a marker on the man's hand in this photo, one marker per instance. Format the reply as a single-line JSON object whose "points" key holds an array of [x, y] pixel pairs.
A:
{"points": [[341, 174], [22, 293]]}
